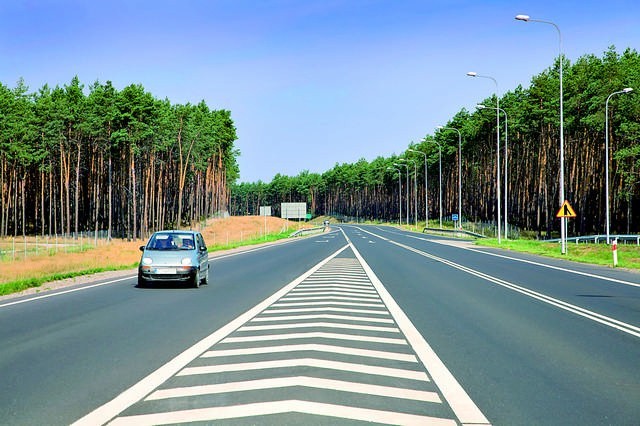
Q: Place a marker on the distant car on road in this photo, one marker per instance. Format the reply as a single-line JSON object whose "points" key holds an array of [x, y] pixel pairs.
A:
{"points": [[174, 256]]}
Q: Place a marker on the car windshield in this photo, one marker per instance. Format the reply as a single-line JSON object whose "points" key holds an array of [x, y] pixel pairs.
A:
{"points": [[171, 242]]}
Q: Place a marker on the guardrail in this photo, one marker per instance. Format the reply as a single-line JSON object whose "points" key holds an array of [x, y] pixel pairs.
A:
{"points": [[307, 231], [597, 239], [453, 231]]}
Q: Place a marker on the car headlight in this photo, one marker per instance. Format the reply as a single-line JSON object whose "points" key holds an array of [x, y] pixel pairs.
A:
{"points": [[147, 261], [186, 261]]}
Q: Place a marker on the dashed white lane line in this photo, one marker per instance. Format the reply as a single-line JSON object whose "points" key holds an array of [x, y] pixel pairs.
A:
{"points": [[285, 382], [312, 347], [307, 362], [279, 407]]}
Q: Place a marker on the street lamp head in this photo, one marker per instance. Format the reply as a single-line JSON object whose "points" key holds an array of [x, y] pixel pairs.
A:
{"points": [[472, 74], [524, 18], [439, 127], [480, 106], [627, 90]]}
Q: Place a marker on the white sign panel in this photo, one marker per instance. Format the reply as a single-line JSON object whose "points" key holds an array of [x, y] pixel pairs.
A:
{"points": [[265, 210], [293, 210]]}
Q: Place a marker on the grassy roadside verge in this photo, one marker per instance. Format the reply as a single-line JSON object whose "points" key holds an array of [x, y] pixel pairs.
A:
{"points": [[598, 254], [38, 270]]}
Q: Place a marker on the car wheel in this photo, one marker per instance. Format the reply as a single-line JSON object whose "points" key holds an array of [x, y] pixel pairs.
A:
{"points": [[141, 283], [205, 280], [195, 280]]}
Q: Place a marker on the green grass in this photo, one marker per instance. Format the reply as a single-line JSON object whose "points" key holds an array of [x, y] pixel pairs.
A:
{"points": [[24, 284], [598, 254]]}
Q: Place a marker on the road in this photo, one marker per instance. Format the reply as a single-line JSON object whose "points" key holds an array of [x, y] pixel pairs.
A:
{"points": [[364, 323]]}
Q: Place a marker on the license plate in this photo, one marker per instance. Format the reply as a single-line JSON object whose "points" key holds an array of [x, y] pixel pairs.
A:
{"points": [[166, 271]]}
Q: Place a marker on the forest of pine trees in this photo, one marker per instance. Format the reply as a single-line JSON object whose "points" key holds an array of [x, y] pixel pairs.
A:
{"points": [[370, 190], [121, 162]]}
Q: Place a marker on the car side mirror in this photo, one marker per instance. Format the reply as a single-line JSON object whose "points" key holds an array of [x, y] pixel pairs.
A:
{"points": [[141, 248], [203, 248]]}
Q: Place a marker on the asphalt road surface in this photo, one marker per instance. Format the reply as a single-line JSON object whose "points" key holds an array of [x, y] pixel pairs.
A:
{"points": [[362, 324]]}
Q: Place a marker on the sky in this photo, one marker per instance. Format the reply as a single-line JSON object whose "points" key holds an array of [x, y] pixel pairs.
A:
{"points": [[309, 83]]}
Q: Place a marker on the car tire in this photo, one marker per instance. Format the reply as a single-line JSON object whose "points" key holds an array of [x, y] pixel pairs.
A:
{"points": [[205, 280], [141, 283], [195, 280]]}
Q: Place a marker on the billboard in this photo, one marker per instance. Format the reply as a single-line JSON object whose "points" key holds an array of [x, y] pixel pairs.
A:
{"points": [[293, 210]]}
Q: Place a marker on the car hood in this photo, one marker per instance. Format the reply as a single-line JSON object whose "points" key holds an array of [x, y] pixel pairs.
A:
{"points": [[170, 257]]}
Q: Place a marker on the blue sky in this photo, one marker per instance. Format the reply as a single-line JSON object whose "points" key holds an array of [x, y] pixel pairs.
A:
{"points": [[309, 83]]}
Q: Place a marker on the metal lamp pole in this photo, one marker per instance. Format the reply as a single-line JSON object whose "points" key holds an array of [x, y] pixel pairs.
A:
{"points": [[506, 163], [474, 74], [440, 178], [426, 203], [415, 190], [606, 151], [399, 193], [459, 170], [407, 169], [563, 221]]}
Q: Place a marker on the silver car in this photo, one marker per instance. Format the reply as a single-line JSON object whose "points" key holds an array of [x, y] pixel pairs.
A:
{"points": [[174, 256]]}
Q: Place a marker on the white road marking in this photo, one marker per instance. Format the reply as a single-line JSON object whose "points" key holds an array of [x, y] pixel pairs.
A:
{"points": [[60, 293], [315, 335], [396, 356], [288, 406], [325, 309], [286, 382], [289, 304], [331, 290], [318, 324], [585, 313], [307, 362], [356, 297], [461, 404], [322, 316], [138, 391]]}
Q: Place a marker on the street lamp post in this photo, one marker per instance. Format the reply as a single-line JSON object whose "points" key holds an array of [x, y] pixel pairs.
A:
{"points": [[415, 190], [426, 203], [399, 193], [474, 74], [407, 169], [563, 220], [606, 152], [459, 170], [506, 165], [440, 179]]}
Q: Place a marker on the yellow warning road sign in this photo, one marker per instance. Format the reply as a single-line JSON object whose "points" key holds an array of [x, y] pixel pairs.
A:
{"points": [[566, 210]]}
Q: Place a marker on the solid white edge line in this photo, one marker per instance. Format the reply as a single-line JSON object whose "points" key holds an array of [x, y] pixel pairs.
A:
{"points": [[145, 386], [464, 408], [60, 293]]}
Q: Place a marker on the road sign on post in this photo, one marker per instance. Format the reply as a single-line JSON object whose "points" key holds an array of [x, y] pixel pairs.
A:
{"points": [[566, 210]]}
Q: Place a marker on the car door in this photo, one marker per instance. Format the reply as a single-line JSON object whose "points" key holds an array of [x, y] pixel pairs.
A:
{"points": [[203, 255]]}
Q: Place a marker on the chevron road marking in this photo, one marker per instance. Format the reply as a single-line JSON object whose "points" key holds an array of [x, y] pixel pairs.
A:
{"points": [[285, 382], [332, 330], [315, 335], [312, 348], [323, 316], [279, 407], [318, 324], [307, 362]]}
